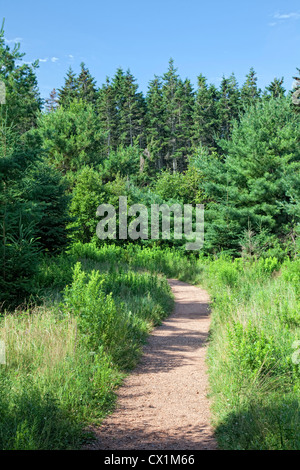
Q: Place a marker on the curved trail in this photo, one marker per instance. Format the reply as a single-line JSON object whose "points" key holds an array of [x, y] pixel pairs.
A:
{"points": [[162, 403]]}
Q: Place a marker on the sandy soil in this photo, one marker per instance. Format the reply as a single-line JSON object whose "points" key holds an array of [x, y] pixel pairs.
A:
{"points": [[163, 403]]}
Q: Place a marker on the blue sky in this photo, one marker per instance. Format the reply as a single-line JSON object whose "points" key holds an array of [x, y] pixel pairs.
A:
{"points": [[214, 38]]}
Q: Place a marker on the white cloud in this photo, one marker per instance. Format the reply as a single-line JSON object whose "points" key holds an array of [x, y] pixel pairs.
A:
{"points": [[71, 56], [54, 59], [13, 41], [43, 60], [287, 16]]}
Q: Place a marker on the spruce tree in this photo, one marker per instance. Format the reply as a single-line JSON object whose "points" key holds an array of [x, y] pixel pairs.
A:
{"points": [[206, 122], [52, 101], [257, 183], [131, 109], [86, 85], [249, 92], [107, 115], [70, 90], [23, 101], [155, 133], [275, 89], [229, 105], [170, 90], [185, 104]]}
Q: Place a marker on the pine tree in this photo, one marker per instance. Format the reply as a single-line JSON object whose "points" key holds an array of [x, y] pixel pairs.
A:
{"points": [[229, 105], [275, 89], [185, 104], [107, 115], [249, 92], [155, 122], [72, 136], [257, 183], [131, 109], [52, 101], [23, 101], [86, 85], [170, 90], [206, 123], [70, 90]]}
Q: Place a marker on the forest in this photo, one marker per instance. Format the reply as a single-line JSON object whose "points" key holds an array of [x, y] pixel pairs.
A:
{"points": [[76, 310]]}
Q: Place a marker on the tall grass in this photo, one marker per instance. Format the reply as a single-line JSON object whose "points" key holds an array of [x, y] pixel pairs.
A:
{"points": [[255, 384], [65, 359]]}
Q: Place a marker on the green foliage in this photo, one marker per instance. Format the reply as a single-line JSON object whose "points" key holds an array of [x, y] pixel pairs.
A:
{"points": [[254, 379], [48, 190], [71, 136], [123, 162], [183, 187], [65, 361], [255, 183], [251, 351], [87, 195], [23, 101]]}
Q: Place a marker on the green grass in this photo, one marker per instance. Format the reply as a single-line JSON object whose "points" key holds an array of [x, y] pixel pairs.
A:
{"points": [[65, 358], [255, 385], [70, 350]]}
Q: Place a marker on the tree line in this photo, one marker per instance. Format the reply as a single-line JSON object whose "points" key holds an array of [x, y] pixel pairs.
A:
{"points": [[235, 149]]}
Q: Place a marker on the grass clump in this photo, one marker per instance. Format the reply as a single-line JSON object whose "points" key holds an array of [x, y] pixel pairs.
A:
{"points": [[64, 359], [255, 383]]}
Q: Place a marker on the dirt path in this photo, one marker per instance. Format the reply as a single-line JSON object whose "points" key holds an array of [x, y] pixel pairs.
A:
{"points": [[163, 403]]}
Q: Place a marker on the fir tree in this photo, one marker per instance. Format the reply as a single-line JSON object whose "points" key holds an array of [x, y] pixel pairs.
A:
{"points": [[155, 122], [206, 123], [185, 105], [170, 89], [249, 92], [23, 101], [86, 85], [256, 184], [229, 105], [130, 105], [275, 89], [70, 90], [107, 115], [52, 101]]}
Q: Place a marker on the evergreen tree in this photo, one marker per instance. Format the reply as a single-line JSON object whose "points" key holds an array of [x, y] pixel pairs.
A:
{"points": [[70, 90], [107, 115], [249, 92], [32, 212], [155, 122], [52, 101], [130, 105], [185, 104], [170, 88], [23, 101], [72, 137], [256, 183], [229, 105], [48, 190], [206, 123], [86, 85], [275, 89]]}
